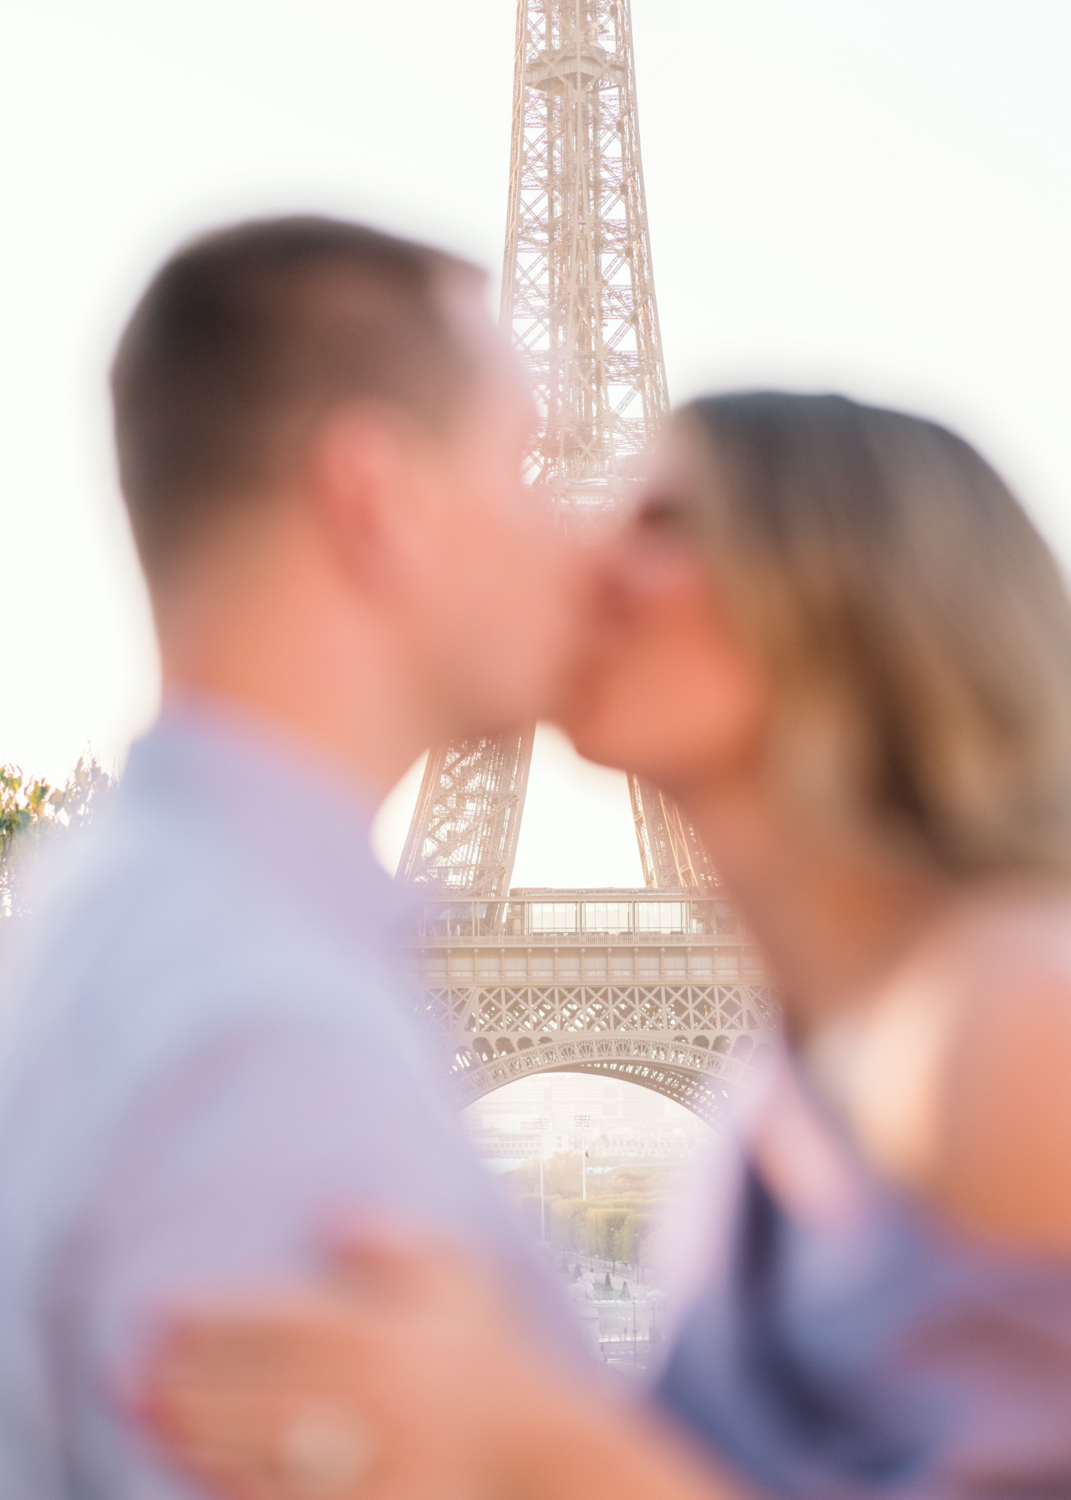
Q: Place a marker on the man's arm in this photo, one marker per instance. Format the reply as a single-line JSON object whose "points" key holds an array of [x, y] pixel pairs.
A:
{"points": [[229, 1173]]}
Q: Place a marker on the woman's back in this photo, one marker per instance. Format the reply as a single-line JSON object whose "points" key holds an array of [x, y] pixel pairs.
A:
{"points": [[889, 1304]]}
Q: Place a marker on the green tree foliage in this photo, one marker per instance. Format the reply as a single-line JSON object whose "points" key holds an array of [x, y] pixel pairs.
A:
{"points": [[615, 1220], [33, 812]]}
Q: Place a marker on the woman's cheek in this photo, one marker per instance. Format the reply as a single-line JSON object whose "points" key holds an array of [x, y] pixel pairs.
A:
{"points": [[616, 718]]}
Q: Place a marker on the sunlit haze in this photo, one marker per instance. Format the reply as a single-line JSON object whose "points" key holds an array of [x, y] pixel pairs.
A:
{"points": [[847, 194]]}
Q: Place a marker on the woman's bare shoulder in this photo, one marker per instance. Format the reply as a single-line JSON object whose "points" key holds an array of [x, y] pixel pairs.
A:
{"points": [[1002, 1164]]}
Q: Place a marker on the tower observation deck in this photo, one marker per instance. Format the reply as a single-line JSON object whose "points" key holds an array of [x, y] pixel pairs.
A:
{"points": [[654, 985]]}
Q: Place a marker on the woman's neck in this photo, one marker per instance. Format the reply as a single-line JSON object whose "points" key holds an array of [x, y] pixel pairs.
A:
{"points": [[832, 921]]}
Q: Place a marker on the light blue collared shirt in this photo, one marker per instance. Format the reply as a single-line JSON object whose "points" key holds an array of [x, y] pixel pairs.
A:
{"points": [[208, 1058]]}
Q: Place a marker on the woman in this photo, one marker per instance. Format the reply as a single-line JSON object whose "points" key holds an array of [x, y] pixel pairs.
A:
{"points": [[832, 635]]}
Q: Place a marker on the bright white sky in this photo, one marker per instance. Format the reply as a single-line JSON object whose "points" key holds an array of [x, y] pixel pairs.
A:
{"points": [[841, 193]]}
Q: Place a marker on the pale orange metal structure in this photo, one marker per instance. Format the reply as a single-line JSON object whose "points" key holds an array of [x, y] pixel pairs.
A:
{"points": [[578, 298]]}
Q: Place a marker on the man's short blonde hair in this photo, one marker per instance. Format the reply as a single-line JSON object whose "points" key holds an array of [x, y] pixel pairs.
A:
{"points": [[248, 334], [918, 628]]}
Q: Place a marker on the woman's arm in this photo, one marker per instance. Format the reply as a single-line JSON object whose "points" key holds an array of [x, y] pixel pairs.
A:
{"points": [[621, 1449], [1002, 1166]]}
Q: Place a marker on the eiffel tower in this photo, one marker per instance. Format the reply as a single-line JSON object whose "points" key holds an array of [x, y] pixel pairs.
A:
{"points": [[633, 984]]}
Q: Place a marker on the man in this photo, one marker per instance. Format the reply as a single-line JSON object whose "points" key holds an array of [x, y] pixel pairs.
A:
{"points": [[320, 434]]}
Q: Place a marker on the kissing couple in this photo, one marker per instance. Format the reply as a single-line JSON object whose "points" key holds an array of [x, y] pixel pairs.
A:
{"points": [[244, 1248]]}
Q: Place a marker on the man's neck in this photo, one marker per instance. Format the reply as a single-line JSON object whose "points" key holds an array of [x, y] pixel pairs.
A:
{"points": [[291, 651]]}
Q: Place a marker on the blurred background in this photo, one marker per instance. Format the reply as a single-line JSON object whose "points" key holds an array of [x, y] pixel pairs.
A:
{"points": [[841, 193]]}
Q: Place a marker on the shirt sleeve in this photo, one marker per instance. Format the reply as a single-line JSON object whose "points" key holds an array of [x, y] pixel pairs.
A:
{"points": [[229, 1172]]}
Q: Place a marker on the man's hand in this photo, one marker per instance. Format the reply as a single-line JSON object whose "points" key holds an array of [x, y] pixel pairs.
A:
{"points": [[403, 1378]]}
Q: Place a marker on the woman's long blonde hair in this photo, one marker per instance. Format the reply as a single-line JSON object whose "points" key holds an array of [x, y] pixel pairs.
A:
{"points": [[917, 626]]}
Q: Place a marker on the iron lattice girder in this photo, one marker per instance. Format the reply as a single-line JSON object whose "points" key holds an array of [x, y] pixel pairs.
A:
{"points": [[707, 1093], [464, 831], [526, 1010], [683, 1041], [663, 988], [670, 851], [578, 297], [577, 261]]}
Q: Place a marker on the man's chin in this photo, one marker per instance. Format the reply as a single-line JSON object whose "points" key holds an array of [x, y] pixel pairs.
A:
{"points": [[590, 746]]}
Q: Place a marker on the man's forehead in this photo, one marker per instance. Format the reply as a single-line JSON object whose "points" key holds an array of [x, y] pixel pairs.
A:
{"points": [[482, 353]]}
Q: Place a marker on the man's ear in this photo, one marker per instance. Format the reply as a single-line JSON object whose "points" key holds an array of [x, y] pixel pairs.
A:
{"points": [[364, 488]]}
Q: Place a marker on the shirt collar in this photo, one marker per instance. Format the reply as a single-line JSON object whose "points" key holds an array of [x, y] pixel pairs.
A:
{"points": [[288, 805]]}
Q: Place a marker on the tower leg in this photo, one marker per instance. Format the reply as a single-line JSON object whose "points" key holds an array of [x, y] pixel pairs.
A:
{"points": [[463, 837]]}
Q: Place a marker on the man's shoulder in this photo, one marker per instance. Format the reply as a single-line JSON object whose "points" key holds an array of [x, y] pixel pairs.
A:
{"points": [[160, 933], [187, 1000]]}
